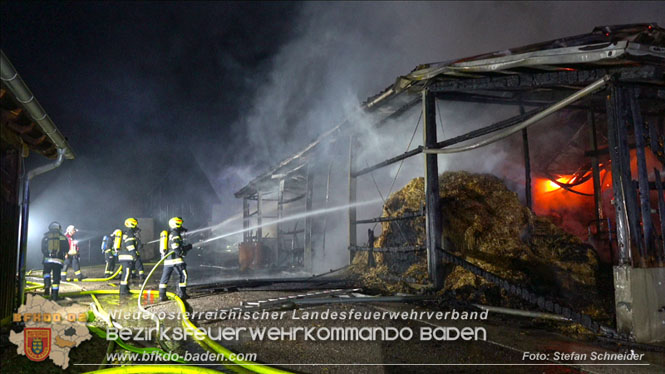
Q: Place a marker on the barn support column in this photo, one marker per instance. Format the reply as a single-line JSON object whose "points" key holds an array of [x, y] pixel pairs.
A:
{"points": [[353, 183], [648, 249], [527, 164], [307, 254], [245, 219], [616, 145], [598, 203], [280, 214], [639, 292], [259, 217], [433, 227]]}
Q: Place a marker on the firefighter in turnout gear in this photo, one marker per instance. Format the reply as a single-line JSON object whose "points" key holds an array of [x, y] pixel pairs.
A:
{"points": [[127, 253], [54, 248], [110, 253], [173, 241], [72, 258], [137, 266]]}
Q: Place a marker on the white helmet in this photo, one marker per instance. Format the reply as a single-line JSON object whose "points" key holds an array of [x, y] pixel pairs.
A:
{"points": [[71, 229]]}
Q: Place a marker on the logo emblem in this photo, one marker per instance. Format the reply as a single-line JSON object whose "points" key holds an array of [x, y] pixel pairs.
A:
{"points": [[37, 343]]}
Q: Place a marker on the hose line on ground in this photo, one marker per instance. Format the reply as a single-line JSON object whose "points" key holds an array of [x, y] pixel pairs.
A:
{"points": [[180, 369], [102, 334], [141, 308], [104, 279], [187, 324], [107, 318]]}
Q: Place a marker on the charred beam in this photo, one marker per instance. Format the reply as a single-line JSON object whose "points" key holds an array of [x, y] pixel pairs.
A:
{"points": [[656, 142], [280, 212], [293, 199], [603, 151], [259, 216], [353, 185], [642, 174], [292, 232], [458, 139], [596, 175], [661, 210], [527, 164], [245, 219], [631, 192], [390, 219], [325, 218], [406, 249], [488, 129], [594, 104], [622, 226], [433, 226], [549, 79], [308, 255], [389, 161], [403, 109]]}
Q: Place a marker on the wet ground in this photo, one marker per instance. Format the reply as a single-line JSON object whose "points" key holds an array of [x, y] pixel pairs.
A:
{"points": [[507, 338]]}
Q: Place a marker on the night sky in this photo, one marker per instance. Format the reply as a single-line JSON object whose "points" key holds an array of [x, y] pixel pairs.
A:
{"points": [[140, 87], [232, 88]]}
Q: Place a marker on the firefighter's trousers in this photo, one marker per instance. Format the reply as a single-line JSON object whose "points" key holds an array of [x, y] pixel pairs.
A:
{"points": [[73, 262], [181, 290], [51, 276]]}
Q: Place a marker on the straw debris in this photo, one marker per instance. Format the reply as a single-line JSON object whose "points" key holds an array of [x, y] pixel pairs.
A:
{"points": [[486, 224]]}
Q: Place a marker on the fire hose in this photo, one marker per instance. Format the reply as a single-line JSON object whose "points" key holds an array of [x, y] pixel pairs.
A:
{"points": [[102, 334], [188, 325], [205, 342], [104, 279], [155, 369]]}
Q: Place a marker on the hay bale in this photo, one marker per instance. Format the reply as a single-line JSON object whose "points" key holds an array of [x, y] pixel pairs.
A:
{"points": [[485, 223]]}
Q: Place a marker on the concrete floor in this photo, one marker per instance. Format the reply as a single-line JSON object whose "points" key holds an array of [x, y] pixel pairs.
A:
{"points": [[503, 351]]}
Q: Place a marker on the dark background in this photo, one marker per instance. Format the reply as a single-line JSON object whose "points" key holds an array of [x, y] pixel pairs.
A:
{"points": [[146, 91]]}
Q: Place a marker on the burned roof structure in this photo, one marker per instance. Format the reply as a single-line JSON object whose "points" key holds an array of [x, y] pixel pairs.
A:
{"points": [[533, 75], [614, 74]]}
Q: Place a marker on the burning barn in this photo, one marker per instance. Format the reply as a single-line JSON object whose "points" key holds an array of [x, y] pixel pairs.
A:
{"points": [[583, 160]]}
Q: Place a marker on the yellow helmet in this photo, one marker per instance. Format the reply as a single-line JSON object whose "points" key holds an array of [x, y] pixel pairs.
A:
{"points": [[131, 223], [175, 222]]}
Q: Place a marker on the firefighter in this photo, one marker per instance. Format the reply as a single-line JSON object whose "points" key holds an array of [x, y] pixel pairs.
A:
{"points": [[54, 248], [127, 254], [72, 258], [173, 241], [137, 266], [110, 253]]}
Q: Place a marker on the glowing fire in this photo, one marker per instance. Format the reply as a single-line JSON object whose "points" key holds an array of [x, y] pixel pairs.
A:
{"points": [[548, 185]]}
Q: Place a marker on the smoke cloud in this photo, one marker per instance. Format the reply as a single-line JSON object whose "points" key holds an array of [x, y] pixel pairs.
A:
{"points": [[230, 89]]}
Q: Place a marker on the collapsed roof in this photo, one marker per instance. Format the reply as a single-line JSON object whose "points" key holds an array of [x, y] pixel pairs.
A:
{"points": [[533, 75]]}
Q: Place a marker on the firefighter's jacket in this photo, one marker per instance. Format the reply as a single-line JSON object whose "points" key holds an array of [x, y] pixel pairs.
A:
{"points": [[173, 241], [73, 245], [130, 245], [54, 247], [108, 248]]}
